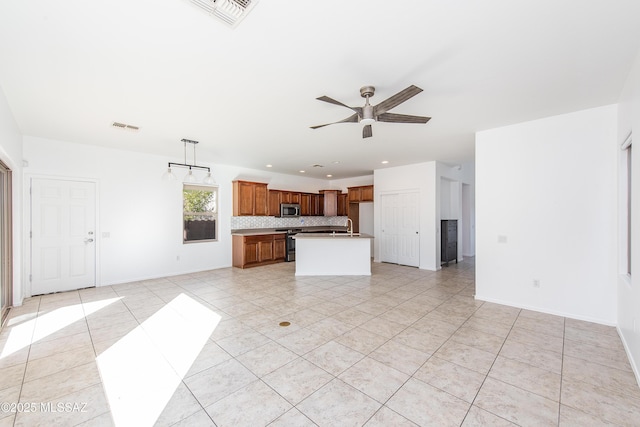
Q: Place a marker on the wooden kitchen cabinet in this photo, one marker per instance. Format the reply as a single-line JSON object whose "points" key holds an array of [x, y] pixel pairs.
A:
{"points": [[252, 251], [250, 198], [275, 198], [330, 202], [279, 247], [363, 193], [317, 204], [290, 197], [343, 204], [367, 194], [305, 204]]}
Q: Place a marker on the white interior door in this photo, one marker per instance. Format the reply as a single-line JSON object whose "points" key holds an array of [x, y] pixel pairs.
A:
{"points": [[408, 230], [63, 250], [389, 222], [400, 220]]}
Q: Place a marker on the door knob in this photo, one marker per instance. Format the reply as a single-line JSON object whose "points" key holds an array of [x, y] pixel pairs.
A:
{"points": [[88, 240]]}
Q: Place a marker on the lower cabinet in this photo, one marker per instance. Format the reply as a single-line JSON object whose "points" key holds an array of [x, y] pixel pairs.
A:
{"points": [[251, 251]]}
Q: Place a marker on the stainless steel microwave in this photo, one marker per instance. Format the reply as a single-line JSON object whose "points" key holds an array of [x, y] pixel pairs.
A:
{"points": [[289, 210]]}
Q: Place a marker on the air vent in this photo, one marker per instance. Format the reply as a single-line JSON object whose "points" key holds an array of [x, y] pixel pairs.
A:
{"points": [[317, 166], [230, 12], [125, 126]]}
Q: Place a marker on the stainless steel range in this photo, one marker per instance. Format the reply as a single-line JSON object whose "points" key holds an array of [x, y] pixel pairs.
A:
{"points": [[291, 243]]}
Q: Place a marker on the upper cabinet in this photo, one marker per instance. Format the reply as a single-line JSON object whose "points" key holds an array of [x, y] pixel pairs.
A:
{"points": [[317, 204], [290, 197], [343, 204], [250, 198], [255, 199], [362, 193], [330, 202], [305, 204], [275, 198]]}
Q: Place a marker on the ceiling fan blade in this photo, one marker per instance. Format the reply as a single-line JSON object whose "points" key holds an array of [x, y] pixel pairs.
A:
{"points": [[396, 99], [333, 101], [367, 132], [351, 119], [402, 118]]}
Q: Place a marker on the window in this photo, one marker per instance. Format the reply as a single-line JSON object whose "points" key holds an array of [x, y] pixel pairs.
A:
{"points": [[626, 211], [200, 213]]}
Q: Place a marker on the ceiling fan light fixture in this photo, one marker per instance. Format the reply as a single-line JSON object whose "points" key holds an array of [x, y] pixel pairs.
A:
{"points": [[367, 113]]}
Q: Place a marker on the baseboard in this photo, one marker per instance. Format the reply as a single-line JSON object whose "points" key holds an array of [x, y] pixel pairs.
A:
{"points": [[632, 361], [172, 274], [546, 311]]}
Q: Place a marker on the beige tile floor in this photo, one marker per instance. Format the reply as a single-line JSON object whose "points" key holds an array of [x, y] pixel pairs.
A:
{"points": [[403, 347]]}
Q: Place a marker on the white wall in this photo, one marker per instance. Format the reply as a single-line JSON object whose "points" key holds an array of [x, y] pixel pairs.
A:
{"points": [[547, 187], [141, 213], [11, 155], [343, 184], [447, 211], [629, 287]]}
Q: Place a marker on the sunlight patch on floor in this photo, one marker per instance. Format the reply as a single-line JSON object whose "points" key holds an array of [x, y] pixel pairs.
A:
{"points": [[33, 330], [142, 370]]}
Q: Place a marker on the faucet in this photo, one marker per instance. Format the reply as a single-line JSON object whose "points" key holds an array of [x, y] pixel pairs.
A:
{"points": [[350, 227]]}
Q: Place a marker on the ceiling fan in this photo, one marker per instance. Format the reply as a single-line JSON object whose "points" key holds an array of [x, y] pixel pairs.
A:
{"points": [[377, 113]]}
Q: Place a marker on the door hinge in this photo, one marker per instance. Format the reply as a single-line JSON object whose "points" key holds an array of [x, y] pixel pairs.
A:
{"points": [[30, 278], [30, 234]]}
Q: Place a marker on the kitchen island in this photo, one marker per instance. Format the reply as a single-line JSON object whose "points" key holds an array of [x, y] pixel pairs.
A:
{"points": [[333, 254]]}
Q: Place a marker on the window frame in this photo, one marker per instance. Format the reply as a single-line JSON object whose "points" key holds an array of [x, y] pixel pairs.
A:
{"points": [[215, 213], [626, 215]]}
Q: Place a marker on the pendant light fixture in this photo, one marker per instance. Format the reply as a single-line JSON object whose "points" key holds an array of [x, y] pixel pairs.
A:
{"points": [[189, 178]]}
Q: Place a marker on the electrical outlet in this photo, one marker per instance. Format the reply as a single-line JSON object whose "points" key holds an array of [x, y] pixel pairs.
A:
{"points": [[536, 283], [502, 239], [177, 257]]}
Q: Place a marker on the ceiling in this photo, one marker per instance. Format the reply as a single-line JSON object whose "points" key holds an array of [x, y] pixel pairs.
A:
{"points": [[69, 69]]}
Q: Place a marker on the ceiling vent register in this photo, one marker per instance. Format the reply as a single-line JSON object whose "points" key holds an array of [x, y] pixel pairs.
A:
{"points": [[125, 126], [229, 11]]}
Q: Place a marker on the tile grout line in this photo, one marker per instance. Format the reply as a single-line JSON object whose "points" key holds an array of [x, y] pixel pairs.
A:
{"points": [[489, 371]]}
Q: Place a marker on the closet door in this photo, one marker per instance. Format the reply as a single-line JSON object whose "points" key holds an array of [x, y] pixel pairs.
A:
{"points": [[400, 220], [389, 222]]}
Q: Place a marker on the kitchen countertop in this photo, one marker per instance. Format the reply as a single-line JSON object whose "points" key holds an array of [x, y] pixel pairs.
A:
{"points": [[338, 235], [279, 230]]}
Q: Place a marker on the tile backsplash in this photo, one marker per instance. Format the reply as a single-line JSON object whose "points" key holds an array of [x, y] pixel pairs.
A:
{"points": [[250, 222]]}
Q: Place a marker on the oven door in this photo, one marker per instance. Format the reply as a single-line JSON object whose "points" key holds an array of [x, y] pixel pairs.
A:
{"points": [[291, 248]]}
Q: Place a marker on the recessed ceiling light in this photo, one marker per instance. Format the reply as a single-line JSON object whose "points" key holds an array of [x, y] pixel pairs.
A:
{"points": [[302, 171], [269, 166], [384, 162], [336, 162], [329, 176]]}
